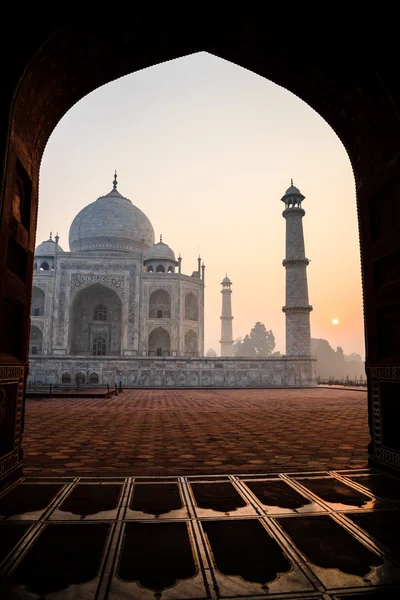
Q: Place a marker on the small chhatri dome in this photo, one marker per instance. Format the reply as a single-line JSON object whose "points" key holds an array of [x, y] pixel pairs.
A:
{"points": [[160, 251], [292, 192], [48, 248], [226, 281], [111, 223]]}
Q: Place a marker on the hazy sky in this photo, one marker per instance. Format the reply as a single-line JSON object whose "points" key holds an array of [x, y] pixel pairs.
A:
{"points": [[207, 149]]}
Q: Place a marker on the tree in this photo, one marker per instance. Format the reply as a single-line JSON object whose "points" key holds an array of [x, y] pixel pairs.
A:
{"points": [[262, 340], [211, 353], [335, 364], [260, 343], [244, 347], [354, 356], [237, 346]]}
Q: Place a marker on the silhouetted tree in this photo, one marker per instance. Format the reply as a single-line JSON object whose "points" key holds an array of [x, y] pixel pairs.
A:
{"points": [[334, 364], [263, 340], [260, 342]]}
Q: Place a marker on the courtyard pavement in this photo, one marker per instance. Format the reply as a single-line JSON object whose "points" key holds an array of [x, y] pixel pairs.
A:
{"points": [[188, 432]]}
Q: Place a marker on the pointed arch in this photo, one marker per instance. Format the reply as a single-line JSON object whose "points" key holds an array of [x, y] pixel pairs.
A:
{"points": [[38, 301], [36, 341], [160, 304], [159, 343], [191, 343], [96, 310], [99, 345], [191, 307]]}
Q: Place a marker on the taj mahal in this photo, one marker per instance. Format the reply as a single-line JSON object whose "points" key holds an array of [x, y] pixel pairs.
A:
{"points": [[117, 308]]}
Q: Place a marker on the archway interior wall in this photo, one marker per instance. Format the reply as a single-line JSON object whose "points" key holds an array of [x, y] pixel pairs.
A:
{"points": [[361, 102]]}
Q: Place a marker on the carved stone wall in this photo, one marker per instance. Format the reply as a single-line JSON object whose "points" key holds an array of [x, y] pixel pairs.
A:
{"points": [[74, 275], [116, 282], [384, 392], [11, 404], [178, 372]]}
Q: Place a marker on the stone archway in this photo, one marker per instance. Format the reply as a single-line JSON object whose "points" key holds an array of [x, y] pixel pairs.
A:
{"points": [[352, 86], [95, 321]]}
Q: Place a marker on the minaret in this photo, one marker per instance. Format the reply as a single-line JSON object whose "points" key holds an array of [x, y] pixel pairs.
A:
{"points": [[226, 319], [297, 308]]}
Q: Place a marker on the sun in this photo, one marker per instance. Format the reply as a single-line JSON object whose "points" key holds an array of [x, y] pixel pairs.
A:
{"points": [[335, 321]]}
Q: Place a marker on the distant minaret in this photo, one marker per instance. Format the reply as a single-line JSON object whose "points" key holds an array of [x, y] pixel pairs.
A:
{"points": [[226, 319], [297, 308]]}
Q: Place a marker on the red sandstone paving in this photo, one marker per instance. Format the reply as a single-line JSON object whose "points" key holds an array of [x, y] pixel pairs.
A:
{"points": [[187, 432]]}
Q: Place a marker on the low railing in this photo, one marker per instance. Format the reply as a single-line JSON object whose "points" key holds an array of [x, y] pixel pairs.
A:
{"points": [[54, 388], [343, 382]]}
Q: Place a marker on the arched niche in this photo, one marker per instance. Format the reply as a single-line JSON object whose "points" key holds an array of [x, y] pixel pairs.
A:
{"points": [[94, 378], [191, 307], [95, 321], [160, 305], [38, 301], [80, 377], [36, 341], [159, 342], [191, 343], [44, 266], [66, 378], [160, 269]]}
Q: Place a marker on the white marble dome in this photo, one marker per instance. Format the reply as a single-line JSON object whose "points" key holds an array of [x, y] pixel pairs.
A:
{"points": [[160, 251], [47, 248], [111, 223]]}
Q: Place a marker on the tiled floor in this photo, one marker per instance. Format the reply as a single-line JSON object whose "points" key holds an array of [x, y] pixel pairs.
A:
{"points": [[185, 432], [328, 535]]}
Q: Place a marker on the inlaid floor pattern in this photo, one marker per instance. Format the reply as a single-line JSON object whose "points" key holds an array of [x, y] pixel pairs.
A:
{"points": [[187, 432], [320, 534]]}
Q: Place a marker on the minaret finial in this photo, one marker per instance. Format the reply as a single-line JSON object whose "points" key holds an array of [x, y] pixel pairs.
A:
{"points": [[291, 181], [160, 238], [115, 182], [51, 233]]}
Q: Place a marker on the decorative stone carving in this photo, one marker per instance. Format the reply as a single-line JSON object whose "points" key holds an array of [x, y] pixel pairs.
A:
{"points": [[108, 271], [116, 282], [162, 325], [11, 400], [39, 323], [40, 284], [379, 375], [154, 287]]}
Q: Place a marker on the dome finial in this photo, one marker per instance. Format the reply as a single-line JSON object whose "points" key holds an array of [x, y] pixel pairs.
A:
{"points": [[51, 233], [115, 180], [291, 181], [160, 238]]}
